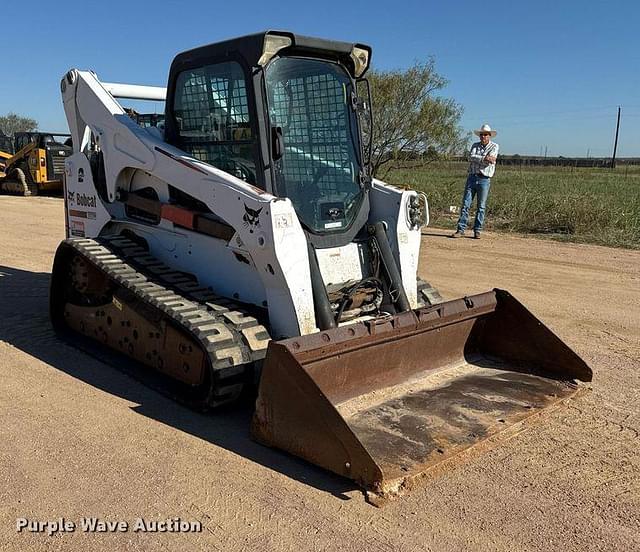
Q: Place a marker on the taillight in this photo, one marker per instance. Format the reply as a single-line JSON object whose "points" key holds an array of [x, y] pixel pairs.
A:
{"points": [[43, 163]]}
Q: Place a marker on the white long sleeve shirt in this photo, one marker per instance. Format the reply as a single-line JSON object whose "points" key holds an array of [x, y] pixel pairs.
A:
{"points": [[477, 164]]}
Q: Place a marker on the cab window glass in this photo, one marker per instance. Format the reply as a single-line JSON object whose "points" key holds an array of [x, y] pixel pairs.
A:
{"points": [[211, 110]]}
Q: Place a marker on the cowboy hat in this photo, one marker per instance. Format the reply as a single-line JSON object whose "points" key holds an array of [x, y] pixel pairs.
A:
{"points": [[485, 128]]}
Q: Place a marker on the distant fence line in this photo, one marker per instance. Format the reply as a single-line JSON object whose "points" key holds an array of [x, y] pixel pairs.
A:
{"points": [[596, 162]]}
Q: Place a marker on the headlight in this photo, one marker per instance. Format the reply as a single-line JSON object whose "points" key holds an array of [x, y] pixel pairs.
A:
{"points": [[272, 45], [360, 58], [418, 211]]}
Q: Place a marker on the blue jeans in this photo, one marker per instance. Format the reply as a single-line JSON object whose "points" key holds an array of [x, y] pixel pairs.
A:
{"points": [[476, 185]]}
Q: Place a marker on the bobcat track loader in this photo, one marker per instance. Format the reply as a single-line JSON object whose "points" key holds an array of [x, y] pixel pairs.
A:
{"points": [[247, 243]]}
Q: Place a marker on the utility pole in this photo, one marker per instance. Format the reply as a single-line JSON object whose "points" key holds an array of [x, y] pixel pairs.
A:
{"points": [[615, 144]]}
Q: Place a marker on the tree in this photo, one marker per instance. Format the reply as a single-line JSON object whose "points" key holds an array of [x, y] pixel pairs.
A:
{"points": [[12, 123], [409, 121]]}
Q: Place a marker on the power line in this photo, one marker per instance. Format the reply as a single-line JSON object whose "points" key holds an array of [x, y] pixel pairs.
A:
{"points": [[615, 144]]}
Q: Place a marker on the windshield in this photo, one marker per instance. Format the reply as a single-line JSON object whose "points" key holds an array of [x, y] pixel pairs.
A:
{"points": [[58, 139], [310, 104]]}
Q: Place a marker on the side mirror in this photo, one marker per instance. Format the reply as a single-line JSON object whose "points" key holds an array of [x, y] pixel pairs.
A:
{"points": [[418, 211]]}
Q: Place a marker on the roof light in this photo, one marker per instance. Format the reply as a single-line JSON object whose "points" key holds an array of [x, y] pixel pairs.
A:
{"points": [[360, 58], [272, 45]]}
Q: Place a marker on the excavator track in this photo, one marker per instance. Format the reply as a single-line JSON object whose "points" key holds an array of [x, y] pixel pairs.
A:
{"points": [[112, 290], [18, 182]]}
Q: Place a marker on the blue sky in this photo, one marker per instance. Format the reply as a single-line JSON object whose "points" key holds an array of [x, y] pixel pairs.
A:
{"points": [[544, 74]]}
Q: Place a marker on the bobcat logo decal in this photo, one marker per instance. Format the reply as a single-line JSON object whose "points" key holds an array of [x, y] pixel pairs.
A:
{"points": [[250, 218]]}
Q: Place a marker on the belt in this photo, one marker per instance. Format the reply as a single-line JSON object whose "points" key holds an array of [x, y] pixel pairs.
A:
{"points": [[480, 175]]}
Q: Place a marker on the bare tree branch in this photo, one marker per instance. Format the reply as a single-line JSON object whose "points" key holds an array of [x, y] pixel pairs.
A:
{"points": [[410, 122], [12, 123]]}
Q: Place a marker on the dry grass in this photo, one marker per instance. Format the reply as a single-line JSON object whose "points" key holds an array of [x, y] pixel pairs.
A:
{"points": [[588, 205]]}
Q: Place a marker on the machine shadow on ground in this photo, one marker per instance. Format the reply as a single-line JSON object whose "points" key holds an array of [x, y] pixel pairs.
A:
{"points": [[24, 323], [49, 194]]}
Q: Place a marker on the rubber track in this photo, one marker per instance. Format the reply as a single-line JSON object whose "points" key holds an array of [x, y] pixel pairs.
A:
{"points": [[24, 187], [232, 337]]}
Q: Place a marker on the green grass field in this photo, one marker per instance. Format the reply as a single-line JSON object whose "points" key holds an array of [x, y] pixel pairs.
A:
{"points": [[598, 206]]}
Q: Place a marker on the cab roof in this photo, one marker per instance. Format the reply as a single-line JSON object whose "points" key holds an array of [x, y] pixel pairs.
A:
{"points": [[250, 48]]}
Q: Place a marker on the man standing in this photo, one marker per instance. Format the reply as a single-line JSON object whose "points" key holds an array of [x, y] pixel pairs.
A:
{"points": [[482, 165]]}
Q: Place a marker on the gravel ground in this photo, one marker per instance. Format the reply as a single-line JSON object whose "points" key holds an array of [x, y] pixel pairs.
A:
{"points": [[82, 439]]}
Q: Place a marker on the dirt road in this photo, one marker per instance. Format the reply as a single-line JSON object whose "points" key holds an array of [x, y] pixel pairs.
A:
{"points": [[80, 439]]}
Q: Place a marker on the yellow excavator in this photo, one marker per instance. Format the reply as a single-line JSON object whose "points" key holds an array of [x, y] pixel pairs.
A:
{"points": [[6, 152], [37, 165], [247, 241]]}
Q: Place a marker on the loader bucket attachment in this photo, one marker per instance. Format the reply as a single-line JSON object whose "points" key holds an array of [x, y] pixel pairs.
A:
{"points": [[384, 403]]}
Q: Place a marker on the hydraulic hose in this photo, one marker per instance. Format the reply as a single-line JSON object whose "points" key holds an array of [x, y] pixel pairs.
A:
{"points": [[321, 304], [395, 280]]}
